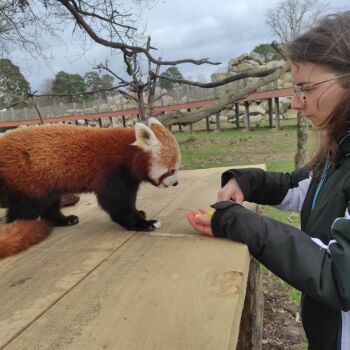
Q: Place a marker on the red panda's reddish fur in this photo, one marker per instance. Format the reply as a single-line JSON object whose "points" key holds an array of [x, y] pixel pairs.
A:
{"points": [[86, 152], [20, 235], [37, 160]]}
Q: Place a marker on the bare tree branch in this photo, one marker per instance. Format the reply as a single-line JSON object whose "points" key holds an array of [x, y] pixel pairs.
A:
{"points": [[252, 73], [227, 102], [289, 17], [128, 50]]}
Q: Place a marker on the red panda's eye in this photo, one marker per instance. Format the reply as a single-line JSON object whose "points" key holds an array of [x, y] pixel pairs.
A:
{"points": [[172, 171]]}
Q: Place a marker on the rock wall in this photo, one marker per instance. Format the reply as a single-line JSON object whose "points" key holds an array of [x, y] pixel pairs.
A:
{"points": [[244, 63]]}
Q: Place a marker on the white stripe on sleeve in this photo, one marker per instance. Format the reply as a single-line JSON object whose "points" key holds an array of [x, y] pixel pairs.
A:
{"points": [[294, 198]]}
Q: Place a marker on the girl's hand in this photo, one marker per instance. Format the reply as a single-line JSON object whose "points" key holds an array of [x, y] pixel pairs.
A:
{"points": [[231, 191], [201, 221]]}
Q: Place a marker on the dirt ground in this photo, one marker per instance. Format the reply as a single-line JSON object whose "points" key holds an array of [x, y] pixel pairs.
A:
{"points": [[282, 323]]}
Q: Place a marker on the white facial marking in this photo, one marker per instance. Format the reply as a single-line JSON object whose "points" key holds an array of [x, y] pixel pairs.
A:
{"points": [[171, 180], [157, 171]]}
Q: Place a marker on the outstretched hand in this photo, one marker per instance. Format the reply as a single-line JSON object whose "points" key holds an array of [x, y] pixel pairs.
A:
{"points": [[200, 221]]}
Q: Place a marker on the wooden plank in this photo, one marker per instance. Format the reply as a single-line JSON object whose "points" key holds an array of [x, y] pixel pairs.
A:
{"points": [[33, 281], [75, 286], [154, 293]]}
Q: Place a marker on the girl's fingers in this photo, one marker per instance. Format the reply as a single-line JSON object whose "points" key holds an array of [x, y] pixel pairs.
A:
{"points": [[203, 219], [200, 222]]}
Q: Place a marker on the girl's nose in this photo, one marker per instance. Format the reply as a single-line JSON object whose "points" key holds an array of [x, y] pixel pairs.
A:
{"points": [[297, 103]]}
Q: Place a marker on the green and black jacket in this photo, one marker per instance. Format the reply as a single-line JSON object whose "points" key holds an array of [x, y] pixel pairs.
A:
{"points": [[315, 259]]}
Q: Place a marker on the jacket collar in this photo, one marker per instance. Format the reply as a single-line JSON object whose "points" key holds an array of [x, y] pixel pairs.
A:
{"points": [[344, 145]]}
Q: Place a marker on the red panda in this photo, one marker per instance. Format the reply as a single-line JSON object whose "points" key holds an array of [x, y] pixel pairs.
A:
{"points": [[39, 164]]}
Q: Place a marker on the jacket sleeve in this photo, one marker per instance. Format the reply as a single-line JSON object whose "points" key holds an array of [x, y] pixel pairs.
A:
{"points": [[264, 187], [290, 253]]}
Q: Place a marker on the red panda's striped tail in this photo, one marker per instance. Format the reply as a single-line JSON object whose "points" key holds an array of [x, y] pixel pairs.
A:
{"points": [[20, 235]]}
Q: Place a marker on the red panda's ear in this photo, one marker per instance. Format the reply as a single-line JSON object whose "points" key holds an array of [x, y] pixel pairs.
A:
{"points": [[154, 121], [145, 137]]}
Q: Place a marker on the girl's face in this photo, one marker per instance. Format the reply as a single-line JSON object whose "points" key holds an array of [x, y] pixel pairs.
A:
{"points": [[316, 101]]}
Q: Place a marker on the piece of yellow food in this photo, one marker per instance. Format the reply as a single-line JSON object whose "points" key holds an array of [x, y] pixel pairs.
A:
{"points": [[210, 212]]}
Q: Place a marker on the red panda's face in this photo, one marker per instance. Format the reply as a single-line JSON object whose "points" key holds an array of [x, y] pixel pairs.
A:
{"points": [[165, 159], [163, 150]]}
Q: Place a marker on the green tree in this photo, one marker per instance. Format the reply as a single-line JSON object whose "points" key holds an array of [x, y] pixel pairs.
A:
{"points": [[68, 84], [13, 85], [171, 73], [268, 52], [94, 81]]}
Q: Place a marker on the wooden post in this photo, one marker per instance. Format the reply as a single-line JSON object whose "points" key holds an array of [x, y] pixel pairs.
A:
{"points": [[191, 130], [217, 121], [270, 112], [237, 115], [251, 327], [247, 121], [277, 113], [207, 123]]}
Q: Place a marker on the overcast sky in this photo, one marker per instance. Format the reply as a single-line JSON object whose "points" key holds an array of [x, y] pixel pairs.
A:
{"points": [[195, 29]]}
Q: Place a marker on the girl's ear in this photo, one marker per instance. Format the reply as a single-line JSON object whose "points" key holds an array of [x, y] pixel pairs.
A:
{"points": [[145, 137]]}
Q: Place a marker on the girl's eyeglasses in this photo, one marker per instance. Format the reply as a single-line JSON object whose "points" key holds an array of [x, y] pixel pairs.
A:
{"points": [[299, 90]]}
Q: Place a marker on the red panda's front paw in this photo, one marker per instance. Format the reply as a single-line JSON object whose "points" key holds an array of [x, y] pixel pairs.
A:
{"points": [[71, 220], [150, 225], [156, 223]]}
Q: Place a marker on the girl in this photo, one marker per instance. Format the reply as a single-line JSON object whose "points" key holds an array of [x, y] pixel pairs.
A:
{"points": [[315, 259]]}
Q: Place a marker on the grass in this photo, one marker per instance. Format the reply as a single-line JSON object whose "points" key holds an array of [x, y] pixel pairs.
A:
{"points": [[232, 147], [236, 147]]}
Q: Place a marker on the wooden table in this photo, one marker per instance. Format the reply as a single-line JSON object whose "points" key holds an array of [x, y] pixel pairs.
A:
{"points": [[96, 286]]}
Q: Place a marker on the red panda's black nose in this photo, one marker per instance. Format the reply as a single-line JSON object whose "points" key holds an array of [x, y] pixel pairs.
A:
{"points": [[175, 183]]}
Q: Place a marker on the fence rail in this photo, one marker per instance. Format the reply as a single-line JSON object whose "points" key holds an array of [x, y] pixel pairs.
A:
{"points": [[134, 112]]}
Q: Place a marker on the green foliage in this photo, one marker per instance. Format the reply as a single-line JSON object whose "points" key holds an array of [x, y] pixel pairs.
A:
{"points": [[68, 84], [268, 52], [13, 86], [173, 73], [95, 81]]}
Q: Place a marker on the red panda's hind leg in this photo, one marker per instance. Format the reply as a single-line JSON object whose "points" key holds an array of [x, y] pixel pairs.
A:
{"points": [[54, 215], [23, 208]]}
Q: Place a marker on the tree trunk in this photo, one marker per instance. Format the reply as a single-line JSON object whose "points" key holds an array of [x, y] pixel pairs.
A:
{"points": [[141, 104], [302, 137]]}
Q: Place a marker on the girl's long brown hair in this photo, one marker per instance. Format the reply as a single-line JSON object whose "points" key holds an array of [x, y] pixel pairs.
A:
{"points": [[328, 44]]}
